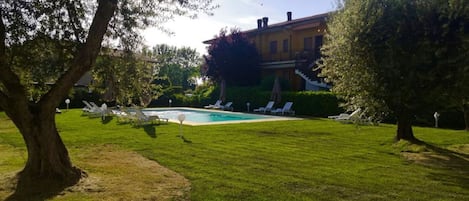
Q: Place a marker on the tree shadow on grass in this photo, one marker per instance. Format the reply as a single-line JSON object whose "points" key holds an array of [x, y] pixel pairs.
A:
{"points": [[107, 119], [150, 130], [450, 167], [35, 189]]}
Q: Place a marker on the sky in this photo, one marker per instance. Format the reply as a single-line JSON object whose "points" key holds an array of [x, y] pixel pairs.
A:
{"points": [[242, 14]]}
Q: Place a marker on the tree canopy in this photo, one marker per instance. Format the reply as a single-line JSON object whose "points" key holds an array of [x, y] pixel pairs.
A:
{"points": [[232, 58], [76, 30], [396, 56], [178, 65]]}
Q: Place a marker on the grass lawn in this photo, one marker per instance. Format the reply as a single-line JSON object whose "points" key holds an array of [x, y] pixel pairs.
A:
{"points": [[316, 159]]}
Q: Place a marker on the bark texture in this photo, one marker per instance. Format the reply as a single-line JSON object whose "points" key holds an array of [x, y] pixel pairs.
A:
{"points": [[466, 115], [404, 127], [48, 167]]}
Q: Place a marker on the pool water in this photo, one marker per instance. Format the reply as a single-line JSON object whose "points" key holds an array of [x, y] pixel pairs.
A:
{"points": [[204, 117]]}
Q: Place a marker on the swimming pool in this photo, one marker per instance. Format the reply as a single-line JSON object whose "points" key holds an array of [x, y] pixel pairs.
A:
{"points": [[196, 116]]}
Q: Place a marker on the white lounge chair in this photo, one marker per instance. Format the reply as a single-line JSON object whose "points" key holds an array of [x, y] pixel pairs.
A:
{"points": [[227, 106], [265, 109], [123, 116], [285, 110], [141, 118], [88, 107], [94, 110], [344, 115], [217, 104], [347, 118]]}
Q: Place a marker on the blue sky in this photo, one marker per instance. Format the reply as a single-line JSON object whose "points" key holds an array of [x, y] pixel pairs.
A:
{"points": [[242, 14]]}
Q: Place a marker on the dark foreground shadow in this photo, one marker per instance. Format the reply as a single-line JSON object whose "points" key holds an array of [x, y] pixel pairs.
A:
{"points": [[450, 167], [107, 119], [150, 130], [33, 189]]}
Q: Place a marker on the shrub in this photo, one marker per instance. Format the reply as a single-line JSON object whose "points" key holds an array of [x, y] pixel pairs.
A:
{"points": [[78, 95]]}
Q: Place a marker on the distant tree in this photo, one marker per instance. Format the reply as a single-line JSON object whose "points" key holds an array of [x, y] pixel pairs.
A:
{"points": [[179, 65], [125, 77], [396, 56], [76, 29], [460, 92], [232, 58]]}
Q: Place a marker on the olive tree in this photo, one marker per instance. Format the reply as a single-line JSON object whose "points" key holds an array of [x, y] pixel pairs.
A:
{"points": [[78, 29], [397, 56]]}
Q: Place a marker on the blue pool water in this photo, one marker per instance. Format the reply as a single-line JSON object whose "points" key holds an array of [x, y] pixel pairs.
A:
{"points": [[200, 116]]}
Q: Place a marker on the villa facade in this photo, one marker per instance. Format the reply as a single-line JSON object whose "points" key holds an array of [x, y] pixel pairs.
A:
{"points": [[289, 49]]}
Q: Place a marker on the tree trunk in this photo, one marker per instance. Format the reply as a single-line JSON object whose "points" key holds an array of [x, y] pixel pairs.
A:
{"points": [[466, 115], [48, 168], [404, 128]]}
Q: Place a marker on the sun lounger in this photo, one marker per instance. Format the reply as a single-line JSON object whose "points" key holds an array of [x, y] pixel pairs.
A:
{"points": [[285, 110], [348, 118], [265, 109], [344, 116], [142, 119], [217, 104], [227, 106]]}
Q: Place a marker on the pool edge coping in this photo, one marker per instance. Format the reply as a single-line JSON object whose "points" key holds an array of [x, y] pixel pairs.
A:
{"points": [[190, 123]]}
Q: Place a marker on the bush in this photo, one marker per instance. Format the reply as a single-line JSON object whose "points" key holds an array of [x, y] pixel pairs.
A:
{"points": [[197, 98], [78, 94]]}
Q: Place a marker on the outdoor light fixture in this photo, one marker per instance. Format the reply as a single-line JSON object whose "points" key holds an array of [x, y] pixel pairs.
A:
{"points": [[248, 104], [436, 116], [67, 101], [170, 101], [181, 118]]}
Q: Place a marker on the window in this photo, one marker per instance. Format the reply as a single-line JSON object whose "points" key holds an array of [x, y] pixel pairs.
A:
{"points": [[317, 46], [273, 47], [308, 43], [285, 45]]}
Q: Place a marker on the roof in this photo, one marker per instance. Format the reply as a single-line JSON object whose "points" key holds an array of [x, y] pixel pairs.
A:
{"points": [[300, 23]]}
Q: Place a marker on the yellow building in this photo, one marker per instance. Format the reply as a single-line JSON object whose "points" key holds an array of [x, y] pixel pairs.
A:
{"points": [[290, 49]]}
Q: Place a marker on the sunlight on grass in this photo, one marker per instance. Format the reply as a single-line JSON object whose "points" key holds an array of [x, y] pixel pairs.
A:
{"points": [[314, 159]]}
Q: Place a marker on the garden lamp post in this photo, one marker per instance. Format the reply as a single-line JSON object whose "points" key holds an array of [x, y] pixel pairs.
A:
{"points": [[170, 101], [181, 118], [67, 101], [248, 104], [436, 116]]}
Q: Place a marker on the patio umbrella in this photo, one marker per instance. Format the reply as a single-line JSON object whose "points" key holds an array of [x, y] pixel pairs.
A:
{"points": [[276, 91], [222, 90]]}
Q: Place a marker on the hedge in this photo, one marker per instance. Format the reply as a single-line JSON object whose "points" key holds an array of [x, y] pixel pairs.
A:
{"points": [[311, 103]]}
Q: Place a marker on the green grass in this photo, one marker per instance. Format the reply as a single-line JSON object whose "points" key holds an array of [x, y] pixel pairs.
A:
{"points": [[315, 159]]}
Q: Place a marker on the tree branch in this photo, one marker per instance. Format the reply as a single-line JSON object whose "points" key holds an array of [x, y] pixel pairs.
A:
{"points": [[85, 57], [8, 78]]}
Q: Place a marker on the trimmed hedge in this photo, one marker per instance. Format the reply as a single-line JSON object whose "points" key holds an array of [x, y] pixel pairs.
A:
{"points": [[314, 103], [311, 103]]}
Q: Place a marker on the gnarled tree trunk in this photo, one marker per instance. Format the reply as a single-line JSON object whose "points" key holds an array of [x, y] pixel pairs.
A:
{"points": [[466, 115], [48, 167], [404, 127], [47, 156]]}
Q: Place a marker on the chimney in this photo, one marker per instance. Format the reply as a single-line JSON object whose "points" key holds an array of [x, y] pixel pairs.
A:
{"points": [[289, 16], [259, 23], [265, 20]]}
